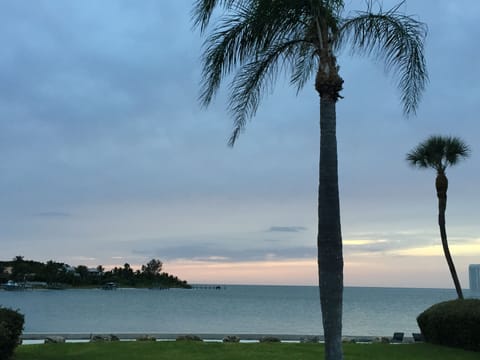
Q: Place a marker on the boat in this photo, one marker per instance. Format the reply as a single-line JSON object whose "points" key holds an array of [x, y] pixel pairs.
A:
{"points": [[110, 286], [11, 285], [56, 286], [159, 287]]}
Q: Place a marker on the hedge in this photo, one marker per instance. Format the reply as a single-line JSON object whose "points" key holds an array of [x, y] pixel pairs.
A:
{"points": [[453, 323], [11, 327]]}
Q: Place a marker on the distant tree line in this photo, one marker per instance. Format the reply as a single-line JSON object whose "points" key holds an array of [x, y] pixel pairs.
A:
{"points": [[57, 273]]}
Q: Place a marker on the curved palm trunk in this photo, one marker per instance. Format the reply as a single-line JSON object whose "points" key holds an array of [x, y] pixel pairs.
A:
{"points": [[441, 183], [330, 257]]}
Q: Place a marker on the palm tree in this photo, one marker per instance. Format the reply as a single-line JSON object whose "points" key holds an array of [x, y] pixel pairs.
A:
{"points": [[438, 153], [258, 39]]}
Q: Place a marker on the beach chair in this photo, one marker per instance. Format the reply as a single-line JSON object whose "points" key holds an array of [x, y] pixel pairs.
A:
{"points": [[397, 337], [417, 337]]}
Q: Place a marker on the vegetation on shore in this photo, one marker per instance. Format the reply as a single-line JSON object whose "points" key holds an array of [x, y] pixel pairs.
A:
{"points": [[209, 351], [453, 323], [58, 275], [11, 327]]}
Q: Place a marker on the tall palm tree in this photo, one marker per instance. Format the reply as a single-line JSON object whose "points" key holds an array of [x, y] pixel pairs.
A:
{"points": [[258, 39], [438, 153]]}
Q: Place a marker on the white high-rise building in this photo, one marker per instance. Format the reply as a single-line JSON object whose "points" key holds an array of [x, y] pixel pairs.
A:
{"points": [[474, 275]]}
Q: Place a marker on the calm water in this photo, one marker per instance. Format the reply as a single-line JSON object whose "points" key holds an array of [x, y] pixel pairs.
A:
{"points": [[237, 309]]}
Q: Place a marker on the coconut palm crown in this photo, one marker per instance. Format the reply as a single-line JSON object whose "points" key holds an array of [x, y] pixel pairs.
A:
{"points": [[257, 39], [252, 42], [439, 153]]}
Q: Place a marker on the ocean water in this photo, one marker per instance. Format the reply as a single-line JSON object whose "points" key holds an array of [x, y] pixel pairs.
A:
{"points": [[292, 310]]}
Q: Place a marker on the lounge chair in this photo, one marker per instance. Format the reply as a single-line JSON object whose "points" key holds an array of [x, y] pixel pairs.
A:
{"points": [[397, 337], [418, 337]]}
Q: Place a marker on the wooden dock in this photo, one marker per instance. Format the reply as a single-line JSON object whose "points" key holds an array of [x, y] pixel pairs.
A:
{"points": [[208, 287]]}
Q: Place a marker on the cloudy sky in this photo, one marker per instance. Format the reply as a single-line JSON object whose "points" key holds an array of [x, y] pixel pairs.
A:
{"points": [[106, 156]]}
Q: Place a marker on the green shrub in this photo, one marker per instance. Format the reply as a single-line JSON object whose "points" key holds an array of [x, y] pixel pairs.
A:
{"points": [[11, 327], [453, 323]]}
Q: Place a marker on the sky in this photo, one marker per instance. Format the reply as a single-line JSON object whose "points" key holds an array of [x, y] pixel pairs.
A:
{"points": [[107, 157]]}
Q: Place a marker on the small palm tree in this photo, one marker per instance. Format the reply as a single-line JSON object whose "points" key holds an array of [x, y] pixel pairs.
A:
{"points": [[256, 40], [438, 153]]}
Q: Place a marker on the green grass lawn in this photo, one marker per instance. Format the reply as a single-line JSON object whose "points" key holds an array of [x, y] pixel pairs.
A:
{"points": [[211, 351]]}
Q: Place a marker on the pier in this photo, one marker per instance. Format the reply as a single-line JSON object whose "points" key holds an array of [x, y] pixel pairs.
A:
{"points": [[209, 287]]}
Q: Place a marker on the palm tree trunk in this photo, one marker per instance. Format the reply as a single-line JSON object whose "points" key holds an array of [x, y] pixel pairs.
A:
{"points": [[330, 257], [441, 183]]}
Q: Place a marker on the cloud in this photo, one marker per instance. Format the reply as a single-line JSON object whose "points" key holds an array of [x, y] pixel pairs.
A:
{"points": [[409, 243], [98, 115], [225, 248], [463, 249], [221, 253], [83, 258], [362, 242], [53, 214], [286, 229], [213, 258]]}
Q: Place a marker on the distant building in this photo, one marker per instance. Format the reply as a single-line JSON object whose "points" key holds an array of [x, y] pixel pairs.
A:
{"points": [[68, 268], [474, 275], [93, 271]]}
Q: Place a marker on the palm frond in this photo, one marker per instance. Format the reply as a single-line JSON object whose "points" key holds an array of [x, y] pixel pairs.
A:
{"points": [[424, 156], [305, 64], [417, 157], [255, 80], [203, 10], [241, 37], [249, 40], [395, 38], [328, 11], [223, 52], [455, 150]]}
